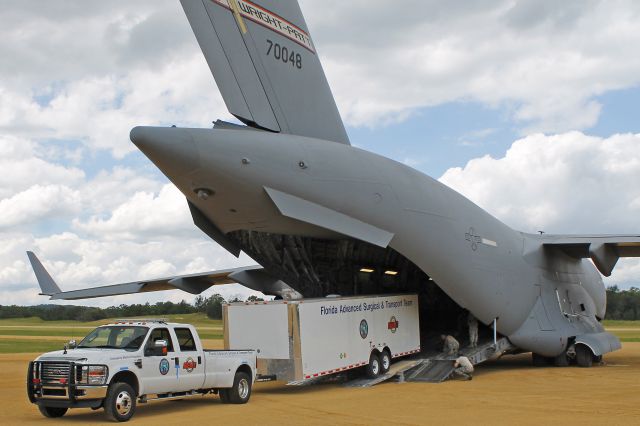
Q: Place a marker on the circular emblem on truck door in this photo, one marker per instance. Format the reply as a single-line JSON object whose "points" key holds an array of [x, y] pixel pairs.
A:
{"points": [[364, 329], [164, 366], [189, 365]]}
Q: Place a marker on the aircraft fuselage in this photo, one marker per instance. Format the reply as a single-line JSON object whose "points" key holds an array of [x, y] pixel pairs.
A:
{"points": [[540, 297]]}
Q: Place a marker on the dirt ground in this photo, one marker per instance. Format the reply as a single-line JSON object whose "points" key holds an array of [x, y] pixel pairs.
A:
{"points": [[507, 391]]}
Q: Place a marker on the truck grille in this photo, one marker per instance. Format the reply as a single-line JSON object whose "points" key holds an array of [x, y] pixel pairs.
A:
{"points": [[54, 371]]}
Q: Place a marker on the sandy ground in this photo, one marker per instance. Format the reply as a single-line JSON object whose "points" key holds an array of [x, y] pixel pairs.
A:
{"points": [[507, 391]]}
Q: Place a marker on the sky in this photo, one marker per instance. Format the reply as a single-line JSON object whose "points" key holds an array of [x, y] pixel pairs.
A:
{"points": [[529, 108]]}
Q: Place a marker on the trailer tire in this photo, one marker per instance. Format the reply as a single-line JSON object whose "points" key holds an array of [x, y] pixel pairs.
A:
{"points": [[224, 395], [373, 368], [584, 356], [120, 403], [385, 361], [52, 412], [241, 390]]}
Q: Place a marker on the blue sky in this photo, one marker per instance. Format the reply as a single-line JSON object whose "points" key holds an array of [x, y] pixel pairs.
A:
{"points": [[531, 112]]}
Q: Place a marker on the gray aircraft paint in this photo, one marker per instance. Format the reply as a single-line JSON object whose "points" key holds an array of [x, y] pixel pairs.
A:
{"points": [[294, 180]]}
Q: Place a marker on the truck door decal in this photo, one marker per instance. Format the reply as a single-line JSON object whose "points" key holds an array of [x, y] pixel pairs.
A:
{"points": [[164, 366]]}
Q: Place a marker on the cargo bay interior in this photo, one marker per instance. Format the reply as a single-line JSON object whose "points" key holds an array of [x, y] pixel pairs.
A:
{"points": [[346, 267]]}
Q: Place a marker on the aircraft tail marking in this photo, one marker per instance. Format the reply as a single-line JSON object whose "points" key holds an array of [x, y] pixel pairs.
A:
{"points": [[265, 65]]}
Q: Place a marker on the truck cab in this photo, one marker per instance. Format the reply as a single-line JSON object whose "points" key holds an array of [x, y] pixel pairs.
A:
{"points": [[129, 361]]}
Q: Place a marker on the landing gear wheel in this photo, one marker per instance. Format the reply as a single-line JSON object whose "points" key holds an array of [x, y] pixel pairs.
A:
{"points": [[52, 411], [241, 390], [584, 356], [561, 360], [385, 362], [120, 403], [373, 368]]}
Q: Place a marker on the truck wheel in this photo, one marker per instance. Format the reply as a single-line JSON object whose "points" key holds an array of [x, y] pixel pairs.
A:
{"points": [[52, 411], [385, 362], [584, 357], [373, 368], [120, 403], [224, 395], [241, 390]]}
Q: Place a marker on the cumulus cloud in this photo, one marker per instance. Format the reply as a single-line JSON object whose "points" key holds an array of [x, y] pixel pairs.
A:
{"points": [[565, 183], [545, 61], [144, 215]]}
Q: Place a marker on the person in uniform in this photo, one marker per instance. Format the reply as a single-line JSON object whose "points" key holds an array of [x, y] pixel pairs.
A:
{"points": [[472, 323], [451, 345], [463, 368]]}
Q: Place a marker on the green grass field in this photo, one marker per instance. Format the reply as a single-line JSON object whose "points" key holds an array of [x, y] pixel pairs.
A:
{"points": [[24, 335], [36, 335]]}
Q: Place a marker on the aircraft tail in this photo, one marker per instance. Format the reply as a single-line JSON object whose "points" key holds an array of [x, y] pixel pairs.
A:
{"points": [[266, 65], [47, 284]]}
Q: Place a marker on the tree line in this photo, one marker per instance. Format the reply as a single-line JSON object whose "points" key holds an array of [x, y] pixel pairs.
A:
{"points": [[621, 305], [211, 306]]}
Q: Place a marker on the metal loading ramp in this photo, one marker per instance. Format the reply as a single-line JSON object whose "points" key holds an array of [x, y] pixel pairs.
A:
{"points": [[396, 370], [438, 369]]}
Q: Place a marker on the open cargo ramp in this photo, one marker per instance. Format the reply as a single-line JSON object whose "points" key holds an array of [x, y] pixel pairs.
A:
{"points": [[439, 369]]}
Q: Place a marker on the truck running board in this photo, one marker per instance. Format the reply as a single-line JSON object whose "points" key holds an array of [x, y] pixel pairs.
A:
{"points": [[166, 396]]}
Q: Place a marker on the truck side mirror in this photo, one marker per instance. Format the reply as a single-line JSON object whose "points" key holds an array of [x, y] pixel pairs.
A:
{"points": [[160, 347], [72, 344]]}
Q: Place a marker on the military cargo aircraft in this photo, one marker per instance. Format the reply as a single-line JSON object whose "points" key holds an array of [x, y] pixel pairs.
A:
{"points": [[323, 217]]}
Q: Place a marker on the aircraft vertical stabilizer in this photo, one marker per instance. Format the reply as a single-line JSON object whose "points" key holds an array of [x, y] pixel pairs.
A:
{"points": [[266, 65]]}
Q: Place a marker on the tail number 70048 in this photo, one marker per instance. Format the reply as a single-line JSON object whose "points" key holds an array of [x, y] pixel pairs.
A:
{"points": [[283, 54]]}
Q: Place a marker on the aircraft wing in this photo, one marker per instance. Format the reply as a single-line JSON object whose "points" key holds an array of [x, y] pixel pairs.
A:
{"points": [[266, 65], [603, 250], [253, 277]]}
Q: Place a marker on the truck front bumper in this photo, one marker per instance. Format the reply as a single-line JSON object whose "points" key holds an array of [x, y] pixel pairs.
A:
{"points": [[67, 395]]}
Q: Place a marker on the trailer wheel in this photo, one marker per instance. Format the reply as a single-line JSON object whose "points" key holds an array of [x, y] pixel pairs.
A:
{"points": [[52, 412], [241, 390], [373, 368], [584, 357], [120, 403], [385, 361]]}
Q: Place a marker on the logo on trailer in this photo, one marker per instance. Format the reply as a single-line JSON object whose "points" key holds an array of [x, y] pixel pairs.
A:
{"points": [[364, 329], [164, 366], [189, 365], [393, 324]]}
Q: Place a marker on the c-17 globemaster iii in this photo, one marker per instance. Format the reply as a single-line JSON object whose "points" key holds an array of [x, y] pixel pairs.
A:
{"points": [[323, 217]]}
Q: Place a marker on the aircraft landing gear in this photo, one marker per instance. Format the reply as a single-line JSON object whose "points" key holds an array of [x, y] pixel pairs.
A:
{"points": [[584, 356]]}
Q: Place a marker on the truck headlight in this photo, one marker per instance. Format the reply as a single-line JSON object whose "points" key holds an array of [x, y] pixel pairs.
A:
{"points": [[93, 374]]}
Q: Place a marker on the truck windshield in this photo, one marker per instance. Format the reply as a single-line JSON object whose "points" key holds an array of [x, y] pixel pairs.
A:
{"points": [[115, 337]]}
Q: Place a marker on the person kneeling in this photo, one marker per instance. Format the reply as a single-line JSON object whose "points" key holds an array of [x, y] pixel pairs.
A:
{"points": [[463, 368]]}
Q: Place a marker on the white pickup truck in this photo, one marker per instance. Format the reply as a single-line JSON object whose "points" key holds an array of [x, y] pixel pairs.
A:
{"points": [[131, 361]]}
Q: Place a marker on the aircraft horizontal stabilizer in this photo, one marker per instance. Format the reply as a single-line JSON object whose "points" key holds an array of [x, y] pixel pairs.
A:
{"points": [[191, 283], [315, 214], [603, 250]]}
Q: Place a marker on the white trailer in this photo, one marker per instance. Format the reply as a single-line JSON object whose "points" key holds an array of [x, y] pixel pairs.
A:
{"points": [[308, 338]]}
